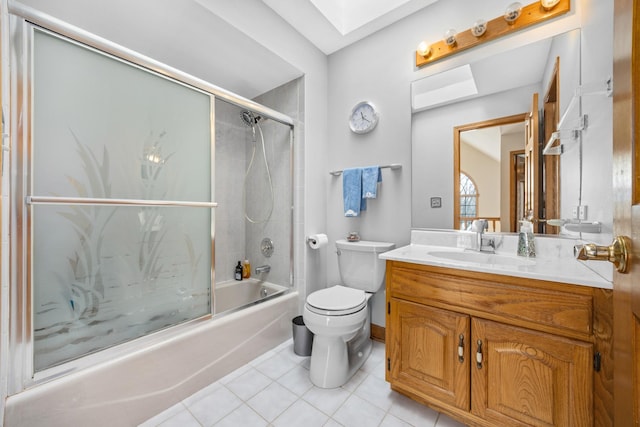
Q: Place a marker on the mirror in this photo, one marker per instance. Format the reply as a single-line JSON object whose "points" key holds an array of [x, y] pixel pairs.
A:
{"points": [[446, 127]]}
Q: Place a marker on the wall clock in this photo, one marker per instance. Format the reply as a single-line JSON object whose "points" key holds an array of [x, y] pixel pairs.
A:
{"points": [[364, 117]]}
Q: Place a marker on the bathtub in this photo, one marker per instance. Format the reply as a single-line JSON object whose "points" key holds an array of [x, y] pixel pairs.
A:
{"points": [[233, 295], [158, 371]]}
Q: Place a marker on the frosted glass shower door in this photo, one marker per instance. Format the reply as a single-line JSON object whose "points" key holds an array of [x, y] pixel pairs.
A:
{"points": [[120, 201]]}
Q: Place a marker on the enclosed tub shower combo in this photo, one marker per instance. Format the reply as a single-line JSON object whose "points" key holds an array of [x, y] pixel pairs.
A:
{"points": [[135, 190]]}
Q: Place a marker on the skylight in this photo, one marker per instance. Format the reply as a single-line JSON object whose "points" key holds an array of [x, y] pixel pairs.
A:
{"points": [[349, 15], [443, 88]]}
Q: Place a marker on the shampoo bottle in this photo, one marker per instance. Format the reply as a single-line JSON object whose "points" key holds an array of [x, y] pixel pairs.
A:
{"points": [[238, 273], [526, 242], [246, 269]]}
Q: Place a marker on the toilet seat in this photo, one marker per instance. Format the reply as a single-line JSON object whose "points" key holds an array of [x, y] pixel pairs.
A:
{"points": [[337, 301]]}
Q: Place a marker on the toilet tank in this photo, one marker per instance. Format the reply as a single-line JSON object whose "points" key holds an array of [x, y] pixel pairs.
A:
{"points": [[359, 265]]}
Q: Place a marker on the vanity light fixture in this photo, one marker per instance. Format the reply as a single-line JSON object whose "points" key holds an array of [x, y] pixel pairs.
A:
{"points": [[450, 37], [549, 4], [515, 18], [512, 12], [424, 49]]}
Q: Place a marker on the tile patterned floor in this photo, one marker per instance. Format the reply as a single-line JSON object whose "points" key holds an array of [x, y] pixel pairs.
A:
{"points": [[274, 390]]}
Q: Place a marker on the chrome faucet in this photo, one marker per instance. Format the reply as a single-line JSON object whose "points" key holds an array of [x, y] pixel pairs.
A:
{"points": [[483, 244], [263, 269]]}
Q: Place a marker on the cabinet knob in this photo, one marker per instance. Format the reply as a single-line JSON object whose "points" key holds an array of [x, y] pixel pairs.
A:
{"points": [[461, 348], [479, 355]]}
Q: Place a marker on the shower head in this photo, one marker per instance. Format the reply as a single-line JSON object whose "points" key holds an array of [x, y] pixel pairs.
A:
{"points": [[249, 118]]}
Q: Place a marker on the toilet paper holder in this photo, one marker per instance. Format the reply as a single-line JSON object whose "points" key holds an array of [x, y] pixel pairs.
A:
{"points": [[311, 239], [317, 241]]}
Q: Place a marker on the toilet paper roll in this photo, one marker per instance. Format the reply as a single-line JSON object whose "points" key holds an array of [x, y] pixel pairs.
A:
{"points": [[317, 241]]}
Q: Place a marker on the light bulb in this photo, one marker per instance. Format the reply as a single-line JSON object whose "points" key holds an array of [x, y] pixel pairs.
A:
{"points": [[450, 37], [479, 27], [512, 12], [424, 49], [549, 4]]}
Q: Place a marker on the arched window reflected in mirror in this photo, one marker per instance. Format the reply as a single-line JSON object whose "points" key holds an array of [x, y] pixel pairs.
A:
{"points": [[469, 198]]}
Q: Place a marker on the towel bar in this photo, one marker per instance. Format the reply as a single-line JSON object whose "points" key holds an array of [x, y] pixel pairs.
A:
{"points": [[392, 166]]}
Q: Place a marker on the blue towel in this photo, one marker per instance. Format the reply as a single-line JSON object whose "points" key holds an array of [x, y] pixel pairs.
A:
{"points": [[352, 192], [371, 176]]}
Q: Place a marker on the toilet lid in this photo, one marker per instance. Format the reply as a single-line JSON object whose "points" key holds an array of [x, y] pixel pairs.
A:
{"points": [[338, 300]]}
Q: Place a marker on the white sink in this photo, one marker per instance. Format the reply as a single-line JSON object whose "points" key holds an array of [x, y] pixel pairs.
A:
{"points": [[446, 249], [481, 258]]}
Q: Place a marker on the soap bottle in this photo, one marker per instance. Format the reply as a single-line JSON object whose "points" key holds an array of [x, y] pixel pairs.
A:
{"points": [[238, 273], [246, 269], [526, 242]]}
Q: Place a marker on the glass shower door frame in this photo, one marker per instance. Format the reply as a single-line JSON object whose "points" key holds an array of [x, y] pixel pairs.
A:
{"points": [[24, 201], [23, 22]]}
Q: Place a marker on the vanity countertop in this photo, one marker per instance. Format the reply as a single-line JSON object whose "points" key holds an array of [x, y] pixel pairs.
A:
{"points": [[555, 261]]}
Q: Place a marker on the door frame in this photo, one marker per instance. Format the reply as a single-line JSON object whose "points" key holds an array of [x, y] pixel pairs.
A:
{"points": [[457, 130], [513, 190]]}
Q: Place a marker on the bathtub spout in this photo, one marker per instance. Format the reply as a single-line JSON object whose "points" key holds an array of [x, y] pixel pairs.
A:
{"points": [[263, 269]]}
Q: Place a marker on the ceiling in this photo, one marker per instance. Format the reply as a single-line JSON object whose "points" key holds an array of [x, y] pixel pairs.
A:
{"points": [[202, 37], [333, 24]]}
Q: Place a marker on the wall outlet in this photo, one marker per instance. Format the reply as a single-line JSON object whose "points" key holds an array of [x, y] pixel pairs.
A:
{"points": [[582, 212], [436, 202], [574, 212]]}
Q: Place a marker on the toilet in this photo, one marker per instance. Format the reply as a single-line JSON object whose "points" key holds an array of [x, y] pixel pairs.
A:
{"points": [[339, 316]]}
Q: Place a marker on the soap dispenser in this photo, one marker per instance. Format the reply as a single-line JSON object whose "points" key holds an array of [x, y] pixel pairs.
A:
{"points": [[526, 242]]}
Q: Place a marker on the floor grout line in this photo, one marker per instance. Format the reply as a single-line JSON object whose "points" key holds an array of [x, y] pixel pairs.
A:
{"points": [[276, 364]]}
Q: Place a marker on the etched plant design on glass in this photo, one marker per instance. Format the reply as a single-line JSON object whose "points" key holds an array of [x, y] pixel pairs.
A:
{"points": [[130, 269], [152, 223], [89, 223], [104, 272]]}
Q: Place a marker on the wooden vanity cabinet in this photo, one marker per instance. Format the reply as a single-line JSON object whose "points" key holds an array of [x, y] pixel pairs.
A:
{"points": [[423, 349], [495, 350], [528, 378]]}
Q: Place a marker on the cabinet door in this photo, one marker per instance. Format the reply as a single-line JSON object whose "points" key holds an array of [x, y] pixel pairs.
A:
{"points": [[423, 352], [526, 378]]}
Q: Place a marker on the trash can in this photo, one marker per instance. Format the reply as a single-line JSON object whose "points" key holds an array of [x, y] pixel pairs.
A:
{"points": [[302, 337]]}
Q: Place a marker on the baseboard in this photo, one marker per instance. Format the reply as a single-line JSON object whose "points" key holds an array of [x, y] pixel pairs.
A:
{"points": [[377, 333]]}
